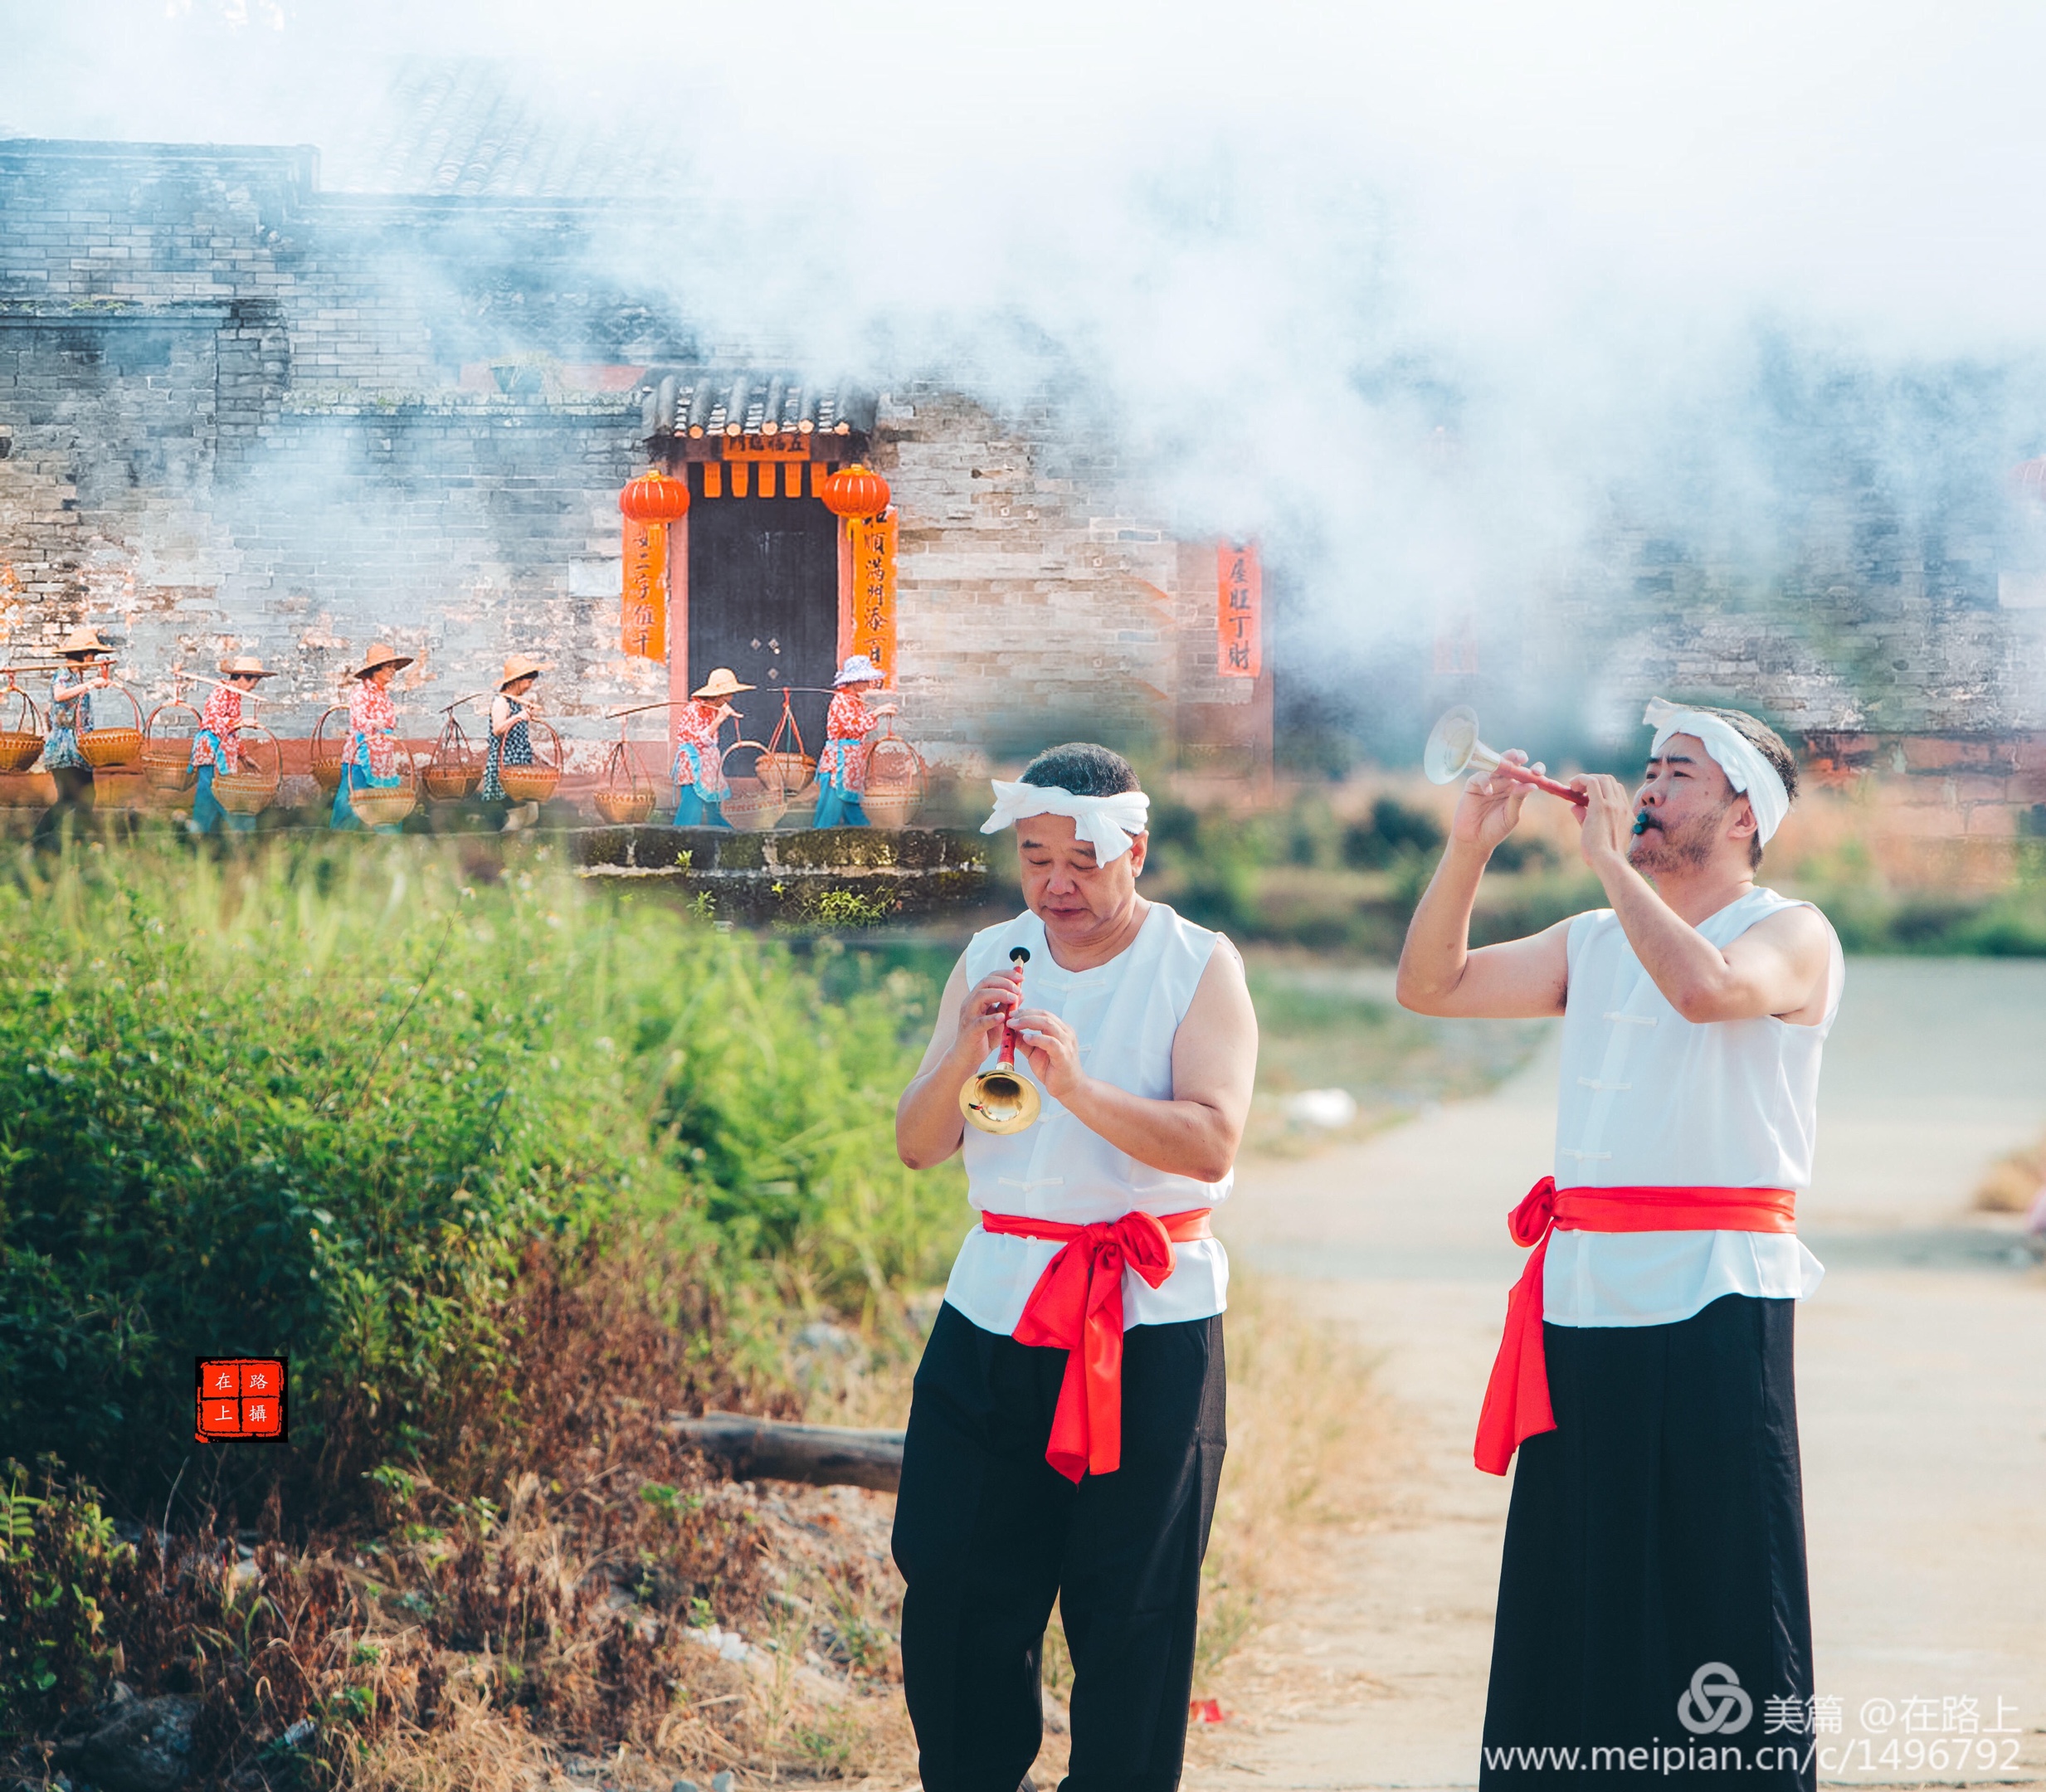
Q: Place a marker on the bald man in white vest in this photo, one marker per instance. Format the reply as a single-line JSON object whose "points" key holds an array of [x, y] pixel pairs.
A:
{"points": [[1654, 1622], [1066, 1430]]}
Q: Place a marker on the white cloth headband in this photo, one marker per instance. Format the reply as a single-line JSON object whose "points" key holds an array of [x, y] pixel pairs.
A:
{"points": [[1108, 824], [1747, 771]]}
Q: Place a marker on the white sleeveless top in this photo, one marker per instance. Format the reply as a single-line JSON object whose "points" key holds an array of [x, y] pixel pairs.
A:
{"points": [[1126, 1014], [1649, 1099]]}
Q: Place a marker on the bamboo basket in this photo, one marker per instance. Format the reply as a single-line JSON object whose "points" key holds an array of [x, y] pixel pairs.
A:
{"points": [[387, 806], [896, 780], [791, 773], [625, 808], [107, 748], [167, 767], [444, 783], [534, 783], [625, 794], [891, 809], [529, 783], [20, 740], [752, 804], [253, 789], [752, 807], [784, 763], [326, 750], [455, 768]]}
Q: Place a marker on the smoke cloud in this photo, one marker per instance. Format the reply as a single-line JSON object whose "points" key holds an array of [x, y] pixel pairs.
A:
{"points": [[1416, 293]]}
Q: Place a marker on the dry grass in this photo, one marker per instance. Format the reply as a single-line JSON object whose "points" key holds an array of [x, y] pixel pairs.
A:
{"points": [[1310, 1453], [2014, 1182], [634, 1701], [1308, 1447], [556, 1627]]}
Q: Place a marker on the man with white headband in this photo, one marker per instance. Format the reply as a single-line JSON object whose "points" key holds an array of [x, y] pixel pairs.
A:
{"points": [[1066, 1431], [1653, 1595]]}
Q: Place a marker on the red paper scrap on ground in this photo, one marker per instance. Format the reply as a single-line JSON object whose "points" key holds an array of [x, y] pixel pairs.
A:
{"points": [[242, 1397], [1206, 1710]]}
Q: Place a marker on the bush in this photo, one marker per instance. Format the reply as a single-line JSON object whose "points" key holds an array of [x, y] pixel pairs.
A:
{"points": [[319, 1103], [59, 1557], [1393, 830]]}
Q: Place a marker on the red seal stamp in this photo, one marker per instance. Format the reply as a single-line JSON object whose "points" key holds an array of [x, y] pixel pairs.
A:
{"points": [[242, 1397]]}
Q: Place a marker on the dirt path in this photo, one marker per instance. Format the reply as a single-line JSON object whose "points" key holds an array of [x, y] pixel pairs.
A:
{"points": [[1921, 1365]]}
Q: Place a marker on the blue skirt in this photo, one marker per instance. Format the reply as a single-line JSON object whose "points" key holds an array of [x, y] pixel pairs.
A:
{"points": [[208, 817], [837, 806], [696, 810]]}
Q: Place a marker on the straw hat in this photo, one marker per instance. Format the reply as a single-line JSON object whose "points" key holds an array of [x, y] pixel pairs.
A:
{"points": [[518, 667], [381, 656], [244, 665], [83, 639], [859, 669], [721, 684]]}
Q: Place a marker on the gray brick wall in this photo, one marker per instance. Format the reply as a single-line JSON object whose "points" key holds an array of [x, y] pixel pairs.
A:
{"points": [[235, 423]]}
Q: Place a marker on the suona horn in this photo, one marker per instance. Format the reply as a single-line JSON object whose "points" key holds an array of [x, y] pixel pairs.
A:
{"points": [[1453, 750], [1003, 1099]]}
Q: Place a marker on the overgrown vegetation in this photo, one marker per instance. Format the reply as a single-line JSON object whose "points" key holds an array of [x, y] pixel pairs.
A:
{"points": [[319, 1104], [1333, 876], [509, 1169]]}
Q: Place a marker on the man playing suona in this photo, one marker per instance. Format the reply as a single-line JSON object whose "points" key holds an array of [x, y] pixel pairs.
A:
{"points": [[1654, 1557], [1065, 1435]]}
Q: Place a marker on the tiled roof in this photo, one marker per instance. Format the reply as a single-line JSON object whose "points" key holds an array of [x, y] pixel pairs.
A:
{"points": [[713, 401], [469, 127]]}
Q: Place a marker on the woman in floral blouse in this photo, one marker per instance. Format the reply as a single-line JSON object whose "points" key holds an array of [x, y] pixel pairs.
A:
{"points": [[369, 755], [699, 760], [842, 766], [71, 715], [216, 747]]}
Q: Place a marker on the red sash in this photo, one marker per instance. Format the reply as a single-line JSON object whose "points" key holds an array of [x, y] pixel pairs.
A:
{"points": [[1077, 1307], [1516, 1398]]}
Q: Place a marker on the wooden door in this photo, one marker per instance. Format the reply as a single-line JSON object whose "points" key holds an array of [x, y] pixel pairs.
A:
{"points": [[763, 600]]}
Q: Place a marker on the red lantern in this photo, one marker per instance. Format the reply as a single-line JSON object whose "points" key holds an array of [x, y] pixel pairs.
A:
{"points": [[855, 491], [654, 498]]}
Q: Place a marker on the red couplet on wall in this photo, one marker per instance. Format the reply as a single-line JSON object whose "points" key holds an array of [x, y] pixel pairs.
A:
{"points": [[1240, 620], [644, 624], [874, 587]]}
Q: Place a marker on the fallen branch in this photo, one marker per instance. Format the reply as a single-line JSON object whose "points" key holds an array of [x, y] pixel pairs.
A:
{"points": [[767, 1450]]}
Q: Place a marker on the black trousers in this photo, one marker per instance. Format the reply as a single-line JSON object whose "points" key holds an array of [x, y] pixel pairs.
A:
{"points": [[1658, 1530], [987, 1534], [74, 799]]}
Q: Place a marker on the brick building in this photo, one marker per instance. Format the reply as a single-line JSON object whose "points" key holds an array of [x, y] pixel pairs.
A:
{"points": [[1894, 628], [240, 413]]}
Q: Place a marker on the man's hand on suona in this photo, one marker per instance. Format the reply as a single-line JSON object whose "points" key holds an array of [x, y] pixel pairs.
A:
{"points": [[1489, 810], [1607, 820], [980, 1015], [1052, 1048]]}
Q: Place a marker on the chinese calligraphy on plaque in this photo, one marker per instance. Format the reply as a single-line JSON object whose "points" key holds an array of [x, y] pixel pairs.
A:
{"points": [[1239, 619], [873, 588], [644, 622]]}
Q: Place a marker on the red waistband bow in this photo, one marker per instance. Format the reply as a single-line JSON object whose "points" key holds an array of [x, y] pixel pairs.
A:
{"points": [[1077, 1307], [1517, 1396]]}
